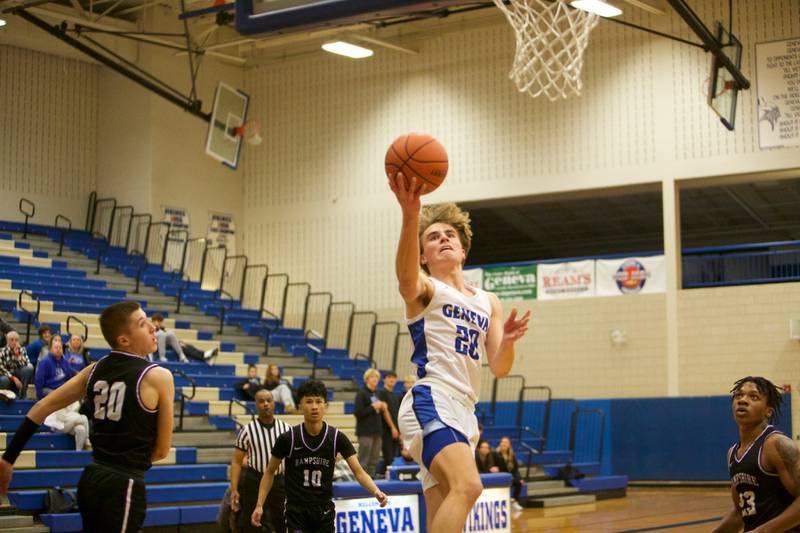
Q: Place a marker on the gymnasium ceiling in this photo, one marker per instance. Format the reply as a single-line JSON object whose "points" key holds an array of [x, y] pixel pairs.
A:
{"points": [[629, 220]]}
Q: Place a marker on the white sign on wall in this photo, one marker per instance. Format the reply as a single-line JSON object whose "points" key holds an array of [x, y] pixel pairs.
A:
{"points": [[632, 275], [491, 513], [222, 231], [474, 277], [357, 515], [565, 280], [778, 79]]}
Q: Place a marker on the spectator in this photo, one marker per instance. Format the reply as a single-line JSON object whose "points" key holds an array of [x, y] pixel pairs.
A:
{"points": [[69, 420], [185, 351], [486, 458], [251, 385], [369, 411], [16, 370], [5, 328], [35, 348], [77, 355], [279, 388], [390, 438], [409, 381], [508, 463], [53, 369]]}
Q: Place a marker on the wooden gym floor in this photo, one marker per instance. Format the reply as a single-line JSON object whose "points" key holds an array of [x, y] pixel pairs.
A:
{"points": [[689, 510]]}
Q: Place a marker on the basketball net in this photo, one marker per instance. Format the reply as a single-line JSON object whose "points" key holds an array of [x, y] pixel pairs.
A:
{"points": [[250, 132], [551, 39]]}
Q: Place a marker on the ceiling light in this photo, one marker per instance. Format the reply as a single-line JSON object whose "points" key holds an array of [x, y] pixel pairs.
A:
{"points": [[598, 7], [2, 23], [347, 49]]}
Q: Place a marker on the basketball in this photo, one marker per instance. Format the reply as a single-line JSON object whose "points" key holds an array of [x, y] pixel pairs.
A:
{"points": [[418, 155]]}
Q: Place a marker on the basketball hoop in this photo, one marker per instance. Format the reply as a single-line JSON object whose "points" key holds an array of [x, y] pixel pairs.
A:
{"points": [[551, 39], [250, 132]]}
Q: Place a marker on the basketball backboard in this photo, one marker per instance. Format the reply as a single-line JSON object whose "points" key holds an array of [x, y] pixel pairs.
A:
{"points": [[223, 142], [722, 88]]}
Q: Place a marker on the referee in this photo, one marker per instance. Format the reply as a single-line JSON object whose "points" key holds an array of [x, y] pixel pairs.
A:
{"points": [[256, 440]]}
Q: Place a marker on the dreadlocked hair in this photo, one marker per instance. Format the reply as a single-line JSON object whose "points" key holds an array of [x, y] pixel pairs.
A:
{"points": [[773, 393], [448, 213]]}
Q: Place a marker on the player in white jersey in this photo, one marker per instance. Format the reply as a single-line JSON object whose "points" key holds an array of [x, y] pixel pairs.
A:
{"points": [[453, 326]]}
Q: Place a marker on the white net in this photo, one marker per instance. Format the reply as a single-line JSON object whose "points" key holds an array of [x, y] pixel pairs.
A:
{"points": [[551, 39]]}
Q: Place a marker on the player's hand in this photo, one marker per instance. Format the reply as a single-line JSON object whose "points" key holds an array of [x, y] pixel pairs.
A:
{"points": [[6, 470], [382, 498], [395, 434], [514, 329], [235, 501], [255, 519], [407, 192]]}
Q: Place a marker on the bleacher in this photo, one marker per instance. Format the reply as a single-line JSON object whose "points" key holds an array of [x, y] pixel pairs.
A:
{"points": [[40, 289]]}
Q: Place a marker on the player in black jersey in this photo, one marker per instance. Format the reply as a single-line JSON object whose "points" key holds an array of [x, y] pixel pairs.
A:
{"points": [[131, 422], [764, 465], [309, 451]]}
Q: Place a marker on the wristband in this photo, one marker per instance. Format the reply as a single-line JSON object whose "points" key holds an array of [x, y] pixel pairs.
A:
{"points": [[23, 434]]}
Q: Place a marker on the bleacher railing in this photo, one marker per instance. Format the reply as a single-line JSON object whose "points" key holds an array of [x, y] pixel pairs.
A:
{"points": [[745, 264], [254, 286], [232, 275], [31, 314], [27, 208], [185, 397], [308, 337], [121, 217], [194, 253], [316, 311], [294, 304], [104, 208], [140, 227], [64, 230], [359, 330], [590, 425], [85, 335], [247, 410], [337, 324], [382, 341]]}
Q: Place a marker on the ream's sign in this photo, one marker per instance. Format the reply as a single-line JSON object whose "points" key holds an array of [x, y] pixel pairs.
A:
{"points": [[565, 280], [490, 514], [364, 515]]}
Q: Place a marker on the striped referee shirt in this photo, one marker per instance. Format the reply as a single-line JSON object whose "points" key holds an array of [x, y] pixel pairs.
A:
{"points": [[257, 440]]}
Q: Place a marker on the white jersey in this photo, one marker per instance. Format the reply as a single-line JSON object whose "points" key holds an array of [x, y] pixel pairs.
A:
{"points": [[449, 337]]}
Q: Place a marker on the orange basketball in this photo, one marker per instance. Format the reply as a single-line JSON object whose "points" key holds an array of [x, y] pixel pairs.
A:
{"points": [[418, 155]]}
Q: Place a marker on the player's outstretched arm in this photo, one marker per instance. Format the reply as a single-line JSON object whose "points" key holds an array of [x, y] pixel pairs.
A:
{"points": [[780, 454], [263, 489], [501, 337], [365, 481], [71, 391], [159, 381], [732, 523], [412, 282]]}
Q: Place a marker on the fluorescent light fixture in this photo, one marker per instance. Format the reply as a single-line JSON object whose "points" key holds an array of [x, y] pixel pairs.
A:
{"points": [[2, 23], [347, 49], [598, 7]]}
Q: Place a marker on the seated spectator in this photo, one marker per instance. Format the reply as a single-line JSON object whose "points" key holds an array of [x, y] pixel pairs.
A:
{"points": [[279, 387], [68, 420], [38, 348], [53, 369], [508, 463], [409, 381], [251, 385], [486, 458], [185, 351], [77, 355], [16, 370], [5, 328]]}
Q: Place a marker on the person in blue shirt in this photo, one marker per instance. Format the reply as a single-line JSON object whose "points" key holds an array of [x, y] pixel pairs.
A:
{"points": [[53, 369], [35, 348], [77, 355]]}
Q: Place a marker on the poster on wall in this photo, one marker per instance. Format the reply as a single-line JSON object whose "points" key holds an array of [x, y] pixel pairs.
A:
{"points": [[632, 275], [222, 231], [511, 282], [558, 281], [474, 277], [178, 219], [357, 515], [778, 81]]}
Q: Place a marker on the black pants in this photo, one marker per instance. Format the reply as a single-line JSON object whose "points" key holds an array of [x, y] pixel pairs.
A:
{"points": [[311, 518], [273, 507], [193, 353], [111, 500], [390, 449]]}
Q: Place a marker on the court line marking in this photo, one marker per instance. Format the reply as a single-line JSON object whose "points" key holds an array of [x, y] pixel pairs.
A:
{"points": [[672, 526]]}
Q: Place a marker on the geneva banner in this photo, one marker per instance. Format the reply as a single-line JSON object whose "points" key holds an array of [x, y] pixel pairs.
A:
{"points": [[565, 280], [633, 275], [510, 282]]}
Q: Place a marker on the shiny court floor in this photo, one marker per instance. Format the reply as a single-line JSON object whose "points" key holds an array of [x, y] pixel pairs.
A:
{"points": [[687, 510]]}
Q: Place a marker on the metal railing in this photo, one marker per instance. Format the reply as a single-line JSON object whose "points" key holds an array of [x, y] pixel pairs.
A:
{"points": [[369, 314], [185, 397], [100, 243], [221, 301], [231, 276], [394, 332], [247, 411], [64, 231], [117, 239], [30, 314], [27, 208], [327, 297], [205, 269], [545, 396], [139, 221], [316, 350], [112, 202], [259, 290], [270, 329], [90, 210], [329, 337], [591, 447], [85, 335]]}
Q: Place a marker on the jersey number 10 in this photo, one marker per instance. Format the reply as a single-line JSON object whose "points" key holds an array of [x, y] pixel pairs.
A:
{"points": [[315, 478], [467, 341], [108, 400]]}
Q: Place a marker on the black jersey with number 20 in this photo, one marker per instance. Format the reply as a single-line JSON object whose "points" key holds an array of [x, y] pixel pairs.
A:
{"points": [[309, 462], [123, 430], [761, 494]]}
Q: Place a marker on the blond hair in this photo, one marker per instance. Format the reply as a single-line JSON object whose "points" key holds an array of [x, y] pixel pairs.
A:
{"points": [[369, 372], [450, 214]]}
